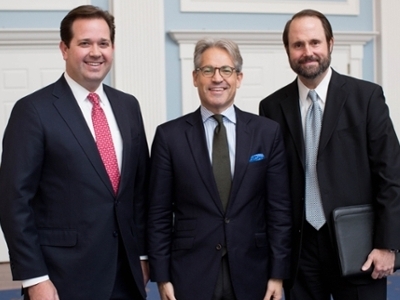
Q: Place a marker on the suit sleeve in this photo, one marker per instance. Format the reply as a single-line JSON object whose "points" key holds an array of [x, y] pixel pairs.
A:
{"points": [[384, 156], [141, 186], [20, 172], [279, 211], [161, 209], [261, 111]]}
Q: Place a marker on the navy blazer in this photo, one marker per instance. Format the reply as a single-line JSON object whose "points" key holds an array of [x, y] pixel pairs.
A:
{"points": [[255, 228], [358, 157], [58, 210]]}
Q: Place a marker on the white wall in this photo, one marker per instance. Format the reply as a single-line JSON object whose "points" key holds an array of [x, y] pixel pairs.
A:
{"points": [[388, 57]]}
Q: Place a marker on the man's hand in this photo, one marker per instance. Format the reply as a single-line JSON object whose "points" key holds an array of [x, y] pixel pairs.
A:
{"points": [[274, 289], [383, 261], [43, 291], [166, 290], [145, 271]]}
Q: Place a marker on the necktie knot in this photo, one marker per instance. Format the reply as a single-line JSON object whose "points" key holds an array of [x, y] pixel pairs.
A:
{"points": [[313, 96], [94, 98], [218, 118]]}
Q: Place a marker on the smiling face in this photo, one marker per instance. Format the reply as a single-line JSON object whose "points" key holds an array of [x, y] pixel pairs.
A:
{"points": [[90, 53], [308, 50], [216, 93]]}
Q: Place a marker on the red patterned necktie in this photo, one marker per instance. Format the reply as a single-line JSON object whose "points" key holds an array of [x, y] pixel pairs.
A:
{"points": [[104, 141]]}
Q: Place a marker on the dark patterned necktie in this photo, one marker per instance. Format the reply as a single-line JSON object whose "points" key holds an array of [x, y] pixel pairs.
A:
{"points": [[221, 162]]}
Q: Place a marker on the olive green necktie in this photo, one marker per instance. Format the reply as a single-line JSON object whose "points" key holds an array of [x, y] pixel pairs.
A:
{"points": [[221, 162]]}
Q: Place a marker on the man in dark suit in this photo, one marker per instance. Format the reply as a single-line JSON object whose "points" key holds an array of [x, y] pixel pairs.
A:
{"points": [[207, 241], [72, 208], [357, 162]]}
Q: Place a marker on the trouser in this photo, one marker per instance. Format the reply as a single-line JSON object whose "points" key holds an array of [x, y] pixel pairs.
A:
{"points": [[223, 288], [319, 276]]}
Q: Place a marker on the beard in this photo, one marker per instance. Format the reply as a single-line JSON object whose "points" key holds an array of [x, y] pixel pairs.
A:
{"points": [[311, 72]]}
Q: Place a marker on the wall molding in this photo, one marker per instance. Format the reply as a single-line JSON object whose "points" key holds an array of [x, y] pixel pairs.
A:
{"points": [[349, 7], [29, 37], [263, 37], [40, 4], [254, 43], [130, 72]]}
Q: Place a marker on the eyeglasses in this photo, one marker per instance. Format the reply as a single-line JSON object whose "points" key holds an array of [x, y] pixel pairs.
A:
{"points": [[209, 71]]}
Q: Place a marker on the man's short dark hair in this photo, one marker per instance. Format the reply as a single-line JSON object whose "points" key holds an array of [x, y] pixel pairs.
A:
{"points": [[308, 13], [85, 12]]}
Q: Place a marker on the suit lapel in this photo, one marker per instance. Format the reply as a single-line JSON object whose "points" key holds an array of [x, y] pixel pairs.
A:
{"points": [[195, 136], [70, 111], [291, 111], [122, 120], [335, 100], [336, 97], [243, 146]]}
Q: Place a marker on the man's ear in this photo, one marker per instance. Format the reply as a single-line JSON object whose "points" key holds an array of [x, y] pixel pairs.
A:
{"points": [[331, 42], [195, 74], [239, 79], [64, 50]]}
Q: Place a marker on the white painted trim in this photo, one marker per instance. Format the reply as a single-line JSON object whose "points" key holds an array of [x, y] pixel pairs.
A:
{"points": [[263, 37], [388, 62], [25, 41], [41, 4], [257, 41], [349, 7], [139, 58], [29, 37], [139, 62]]}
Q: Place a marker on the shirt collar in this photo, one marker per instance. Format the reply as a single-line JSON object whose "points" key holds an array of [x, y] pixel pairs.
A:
{"points": [[229, 113], [80, 93], [321, 89]]}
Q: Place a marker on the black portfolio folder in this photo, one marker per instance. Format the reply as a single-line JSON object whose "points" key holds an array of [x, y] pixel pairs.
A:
{"points": [[354, 229]]}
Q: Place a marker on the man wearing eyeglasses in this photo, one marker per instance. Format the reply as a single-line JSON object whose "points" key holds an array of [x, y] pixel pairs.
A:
{"points": [[220, 215]]}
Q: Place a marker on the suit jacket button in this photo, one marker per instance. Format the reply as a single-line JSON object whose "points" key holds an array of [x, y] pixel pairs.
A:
{"points": [[227, 220], [115, 233], [218, 247]]}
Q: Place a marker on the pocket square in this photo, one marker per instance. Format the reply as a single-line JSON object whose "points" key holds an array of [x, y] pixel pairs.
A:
{"points": [[256, 157]]}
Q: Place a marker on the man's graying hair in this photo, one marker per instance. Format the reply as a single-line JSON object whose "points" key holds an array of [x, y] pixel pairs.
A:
{"points": [[229, 46]]}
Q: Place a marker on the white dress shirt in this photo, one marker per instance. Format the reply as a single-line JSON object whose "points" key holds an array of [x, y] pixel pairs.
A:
{"points": [[80, 94], [321, 90]]}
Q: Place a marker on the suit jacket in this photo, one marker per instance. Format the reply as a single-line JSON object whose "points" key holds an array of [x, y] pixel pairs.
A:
{"points": [[187, 226], [358, 157], [58, 210]]}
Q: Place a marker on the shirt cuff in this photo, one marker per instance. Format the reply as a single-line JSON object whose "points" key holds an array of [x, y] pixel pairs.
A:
{"points": [[33, 281]]}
